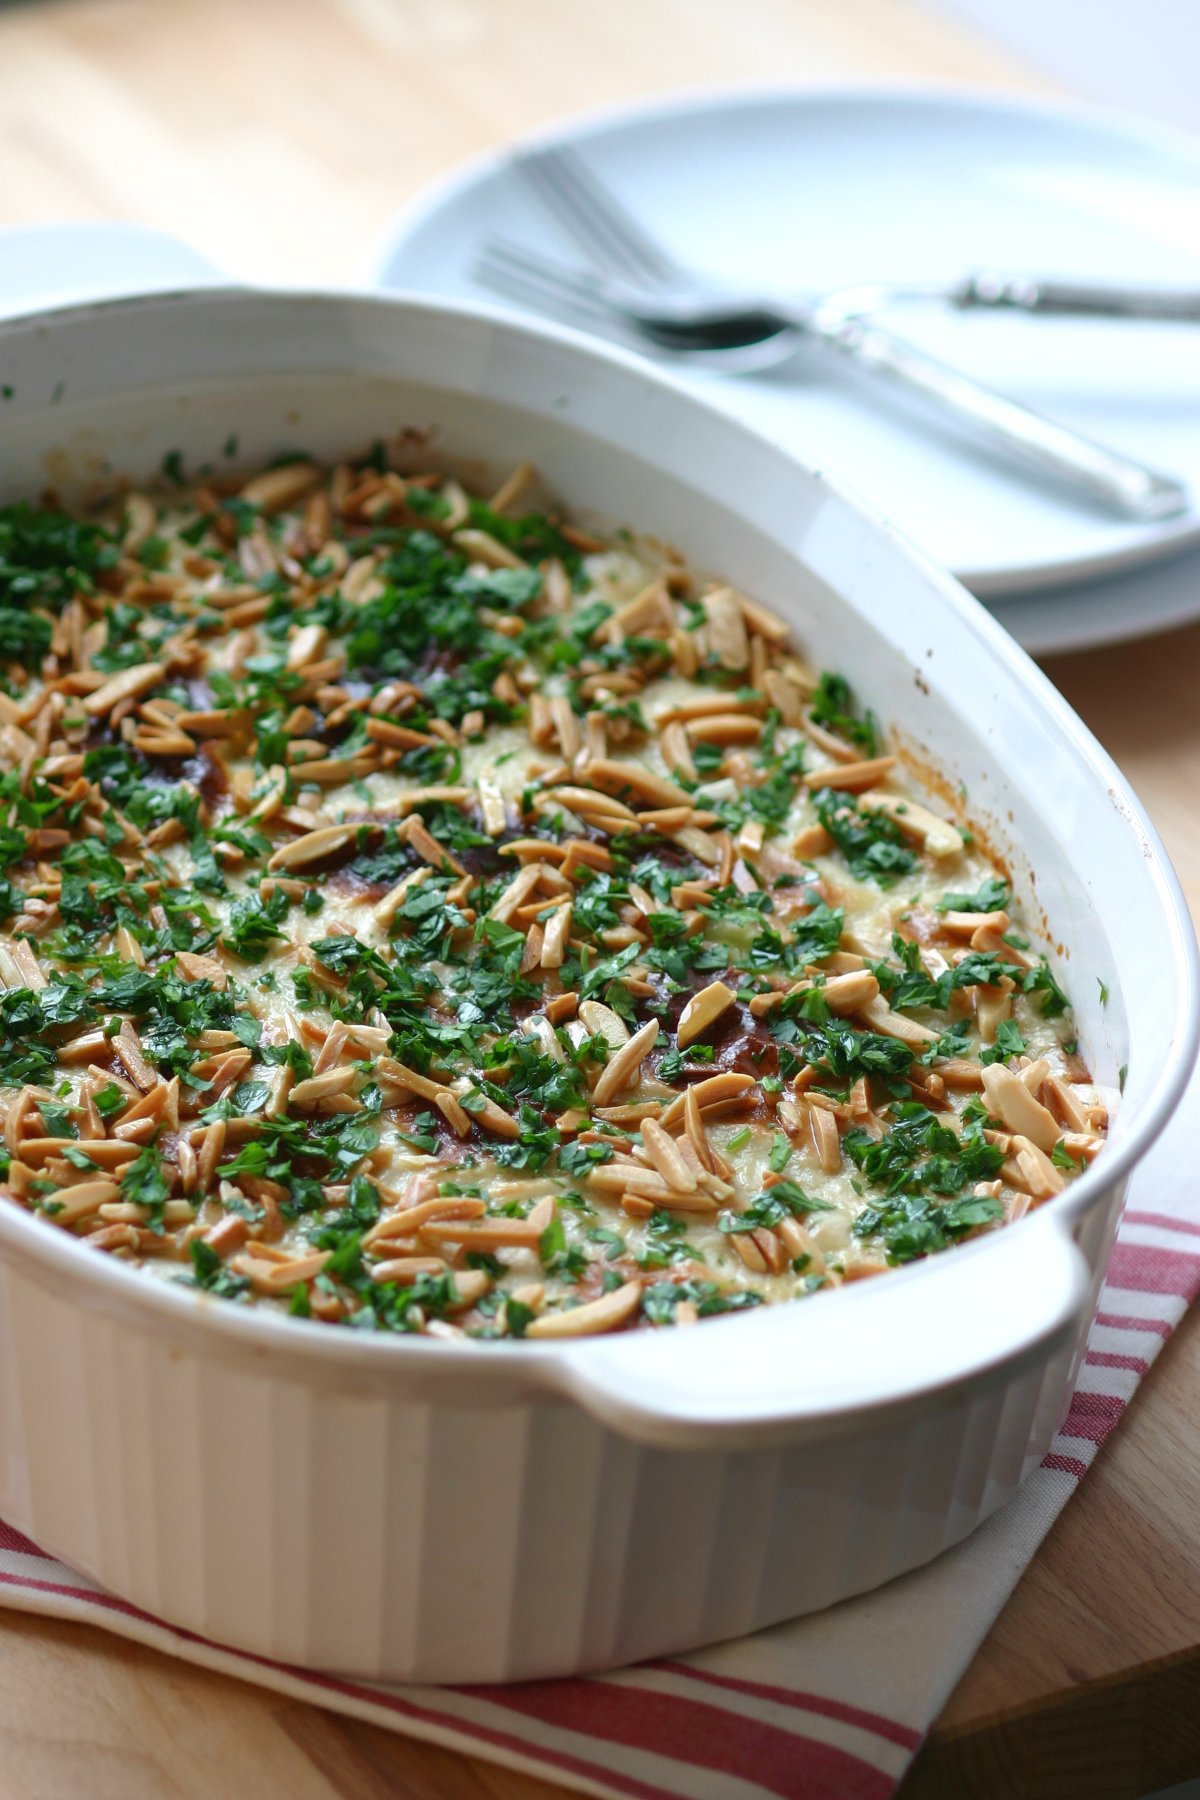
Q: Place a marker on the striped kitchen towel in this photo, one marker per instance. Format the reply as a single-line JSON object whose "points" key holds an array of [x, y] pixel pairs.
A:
{"points": [[833, 1707]]}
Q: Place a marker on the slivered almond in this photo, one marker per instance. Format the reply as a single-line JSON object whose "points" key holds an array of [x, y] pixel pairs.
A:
{"points": [[622, 1176], [826, 1142], [313, 847], [511, 488], [989, 941], [491, 803], [992, 1006], [385, 910], [667, 1158], [566, 725], [607, 1313], [482, 547], [853, 777], [65, 1205], [557, 931], [714, 1090], [850, 993], [276, 489], [814, 840], [398, 737], [453, 1112], [677, 754], [704, 848], [582, 799], [1029, 1167], [648, 614], [620, 778], [320, 1087], [332, 771], [194, 967], [426, 846], [727, 635], [881, 1018], [434, 794], [408, 1220], [622, 1069], [701, 1011], [485, 1112], [601, 1021], [398, 1075], [762, 619], [129, 1048], [1011, 1102], [958, 1072], [966, 924], [937, 836], [130, 684], [306, 647], [747, 1248], [266, 1276], [406, 1269], [725, 728], [518, 889], [483, 1234], [1067, 1107]]}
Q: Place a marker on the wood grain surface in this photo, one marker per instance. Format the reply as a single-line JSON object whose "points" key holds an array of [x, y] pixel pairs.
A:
{"points": [[279, 136]]}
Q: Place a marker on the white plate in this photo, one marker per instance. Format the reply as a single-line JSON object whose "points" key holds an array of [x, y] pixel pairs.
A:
{"points": [[816, 189]]}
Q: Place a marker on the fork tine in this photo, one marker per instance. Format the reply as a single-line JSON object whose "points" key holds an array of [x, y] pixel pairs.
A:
{"points": [[508, 269], [595, 218], [501, 258]]}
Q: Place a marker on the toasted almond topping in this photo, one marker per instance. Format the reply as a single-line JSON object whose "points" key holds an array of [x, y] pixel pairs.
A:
{"points": [[622, 778], [202, 968], [823, 1129], [621, 1070], [725, 728], [483, 1234], [278, 488], [701, 1011], [854, 777], [601, 1021], [482, 547], [608, 1313], [667, 1158], [1013, 1104], [128, 685], [966, 924], [313, 847], [992, 1006], [266, 1276], [937, 836], [727, 634], [881, 1018]]}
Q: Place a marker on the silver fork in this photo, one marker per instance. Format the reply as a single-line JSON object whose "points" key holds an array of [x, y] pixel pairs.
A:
{"points": [[658, 301]]}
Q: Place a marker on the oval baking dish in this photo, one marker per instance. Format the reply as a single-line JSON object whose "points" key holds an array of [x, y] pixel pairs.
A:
{"points": [[431, 1510]]}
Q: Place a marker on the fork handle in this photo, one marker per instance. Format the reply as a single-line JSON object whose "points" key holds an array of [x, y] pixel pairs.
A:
{"points": [[1096, 299], [1023, 434]]}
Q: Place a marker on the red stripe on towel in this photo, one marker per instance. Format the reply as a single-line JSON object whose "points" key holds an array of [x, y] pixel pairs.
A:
{"points": [[697, 1733], [814, 1703], [1148, 1270]]}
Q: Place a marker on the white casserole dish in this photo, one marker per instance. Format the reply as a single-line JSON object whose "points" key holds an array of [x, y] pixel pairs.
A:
{"points": [[422, 1510]]}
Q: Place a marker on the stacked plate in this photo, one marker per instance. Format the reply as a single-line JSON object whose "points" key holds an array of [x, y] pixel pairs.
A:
{"points": [[813, 191]]}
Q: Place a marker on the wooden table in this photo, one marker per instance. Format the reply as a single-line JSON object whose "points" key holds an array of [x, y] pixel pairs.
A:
{"points": [[279, 136]]}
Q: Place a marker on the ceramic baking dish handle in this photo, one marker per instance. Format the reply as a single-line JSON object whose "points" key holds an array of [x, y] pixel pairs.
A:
{"points": [[781, 1373], [60, 265]]}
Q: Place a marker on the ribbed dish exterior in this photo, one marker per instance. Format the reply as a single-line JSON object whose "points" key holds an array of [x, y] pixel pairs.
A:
{"points": [[386, 1535]]}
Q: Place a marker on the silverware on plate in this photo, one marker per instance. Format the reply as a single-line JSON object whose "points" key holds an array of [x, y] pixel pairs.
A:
{"points": [[637, 288], [995, 290]]}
